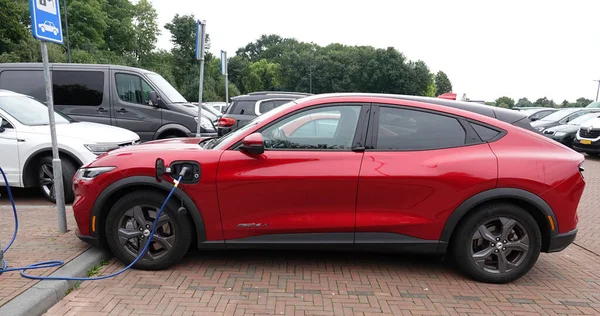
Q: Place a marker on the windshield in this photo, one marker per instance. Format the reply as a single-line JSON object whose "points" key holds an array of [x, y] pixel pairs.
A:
{"points": [[30, 112], [583, 118], [558, 115], [165, 87], [215, 142], [211, 110]]}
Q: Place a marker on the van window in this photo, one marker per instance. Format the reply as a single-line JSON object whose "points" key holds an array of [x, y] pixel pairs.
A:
{"points": [[133, 89], [29, 82], [83, 88]]}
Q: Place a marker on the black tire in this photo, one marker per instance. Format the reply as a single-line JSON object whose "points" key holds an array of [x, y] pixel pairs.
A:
{"points": [[45, 179], [179, 231], [464, 244]]}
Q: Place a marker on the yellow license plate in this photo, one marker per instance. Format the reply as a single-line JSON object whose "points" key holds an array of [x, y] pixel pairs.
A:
{"points": [[585, 141]]}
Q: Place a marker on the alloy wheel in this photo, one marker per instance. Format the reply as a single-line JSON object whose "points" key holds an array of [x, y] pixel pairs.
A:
{"points": [[500, 245], [46, 178], [135, 226]]}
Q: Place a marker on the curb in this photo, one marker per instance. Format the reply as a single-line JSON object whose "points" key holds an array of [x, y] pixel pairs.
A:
{"points": [[43, 295]]}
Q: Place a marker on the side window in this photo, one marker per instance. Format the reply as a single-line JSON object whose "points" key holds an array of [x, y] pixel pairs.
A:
{"points": [[266, 106], [5, 123], [485, 133], [403, 129], [133, 89], [322, 128], [242, 107], [85, 88], [29, 82]]}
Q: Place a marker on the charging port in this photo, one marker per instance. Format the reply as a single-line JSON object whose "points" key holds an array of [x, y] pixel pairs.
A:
{"points": [[192, 175]]}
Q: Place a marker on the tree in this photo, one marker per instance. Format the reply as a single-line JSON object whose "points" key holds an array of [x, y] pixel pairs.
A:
{"points": [[508, 102], [442, 83], [145, 29], [87, 24], [12, 30], [120, 29], [524, 102], [544, 102], [262, 75]]}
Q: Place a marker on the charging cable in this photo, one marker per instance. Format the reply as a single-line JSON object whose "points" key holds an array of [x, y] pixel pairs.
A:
{"points": [[56, 263]]}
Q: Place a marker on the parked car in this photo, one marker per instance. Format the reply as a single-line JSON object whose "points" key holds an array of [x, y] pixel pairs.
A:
{"points": [[561, 117], [346, 171], [26, 144], [246, 107], [219, 106], [587, 139], [595, 104], [538, 113], [566, 133], [136, 99]]}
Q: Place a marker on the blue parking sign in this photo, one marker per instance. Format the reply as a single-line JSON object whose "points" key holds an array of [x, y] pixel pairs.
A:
{"points": [[45, 20]]}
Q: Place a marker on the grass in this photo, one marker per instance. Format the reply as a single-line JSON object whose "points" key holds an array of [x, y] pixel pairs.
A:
{"points": [[93, 271]]}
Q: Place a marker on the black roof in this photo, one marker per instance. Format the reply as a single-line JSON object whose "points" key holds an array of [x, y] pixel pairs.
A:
{"points": [[506, 115]]}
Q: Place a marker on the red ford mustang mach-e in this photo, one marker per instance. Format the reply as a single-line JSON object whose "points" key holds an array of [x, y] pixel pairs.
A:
{"points": [[346, 171]]}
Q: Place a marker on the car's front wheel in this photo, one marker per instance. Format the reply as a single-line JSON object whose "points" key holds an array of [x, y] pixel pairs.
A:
{"points": [[129, 224], [46, 179], [498, 243]]}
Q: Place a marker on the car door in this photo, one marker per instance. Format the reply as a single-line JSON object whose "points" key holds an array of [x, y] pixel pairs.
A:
{"points": [[131, 109], [419, 166], [302, 190], [9, 160], [80, 94]]}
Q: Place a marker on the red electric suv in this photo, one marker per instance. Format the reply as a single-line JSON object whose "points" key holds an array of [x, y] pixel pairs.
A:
{"points": [[346, 171]]}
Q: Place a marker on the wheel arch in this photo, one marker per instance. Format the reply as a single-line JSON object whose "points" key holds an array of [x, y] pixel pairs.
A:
{"points": [[29, 178], [111, 194], [171, 127], [533, 204]]}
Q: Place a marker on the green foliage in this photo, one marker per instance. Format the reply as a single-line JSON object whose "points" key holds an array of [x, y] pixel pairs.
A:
{"points": [[87, 24], [145, 30], [120, 29], [442, 83], [505, 102], [262, 75], [524, 102], [12, 30]]}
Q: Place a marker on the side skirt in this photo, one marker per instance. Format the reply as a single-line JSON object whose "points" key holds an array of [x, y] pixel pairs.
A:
{"points": [[368, 242]]}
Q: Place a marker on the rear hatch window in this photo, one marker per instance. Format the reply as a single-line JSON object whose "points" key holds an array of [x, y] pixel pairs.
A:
{"points": [[242, 107]]}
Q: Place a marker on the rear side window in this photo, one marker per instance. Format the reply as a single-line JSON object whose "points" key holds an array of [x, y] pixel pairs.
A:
{"points": [[82, 88], [29, 82], [485, 133], [242, 107], [268, 105], [403, 129]]}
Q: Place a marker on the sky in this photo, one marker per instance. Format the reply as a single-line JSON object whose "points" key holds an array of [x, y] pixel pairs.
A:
{"points": [[488, 49]]}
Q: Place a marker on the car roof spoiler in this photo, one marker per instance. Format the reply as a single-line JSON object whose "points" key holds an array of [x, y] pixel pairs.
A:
{"points": [[448, 96]]}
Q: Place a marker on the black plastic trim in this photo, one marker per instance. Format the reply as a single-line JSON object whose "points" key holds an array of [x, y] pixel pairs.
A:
{"points": [[561, 241], [88, 239], [363, 241], [497, 193], [152, 182]]}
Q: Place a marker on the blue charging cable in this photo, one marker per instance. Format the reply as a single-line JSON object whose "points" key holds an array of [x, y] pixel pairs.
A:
{"points": [[56, 263]]}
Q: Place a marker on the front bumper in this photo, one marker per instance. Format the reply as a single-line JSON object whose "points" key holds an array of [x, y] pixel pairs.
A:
{"points": [[561, 241], [593, 148], [88, 239]]}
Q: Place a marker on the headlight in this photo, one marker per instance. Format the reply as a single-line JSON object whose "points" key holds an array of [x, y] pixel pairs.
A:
{"points": [[205, 123], [100, 149], [90, 173], [560, 134]]}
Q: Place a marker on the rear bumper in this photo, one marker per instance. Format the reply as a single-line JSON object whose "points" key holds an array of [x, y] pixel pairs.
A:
{"points": [[562, 241]]}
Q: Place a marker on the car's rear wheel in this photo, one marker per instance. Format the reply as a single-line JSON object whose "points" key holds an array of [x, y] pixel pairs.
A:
{"points": [[46, 179], [129, 224], [498, 243]]}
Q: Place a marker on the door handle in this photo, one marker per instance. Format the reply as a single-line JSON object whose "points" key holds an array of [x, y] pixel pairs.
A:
{"points": [[101, 109], [122, 110]]}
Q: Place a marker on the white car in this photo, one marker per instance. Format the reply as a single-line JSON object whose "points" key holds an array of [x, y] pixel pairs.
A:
{"points": [[48, 27], [26, 145]]}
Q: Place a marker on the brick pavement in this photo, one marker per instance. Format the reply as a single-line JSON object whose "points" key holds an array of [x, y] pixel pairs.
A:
{"points": [[38, 240], [314, 283]]}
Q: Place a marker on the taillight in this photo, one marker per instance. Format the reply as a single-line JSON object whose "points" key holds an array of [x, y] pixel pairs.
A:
{"points": [[226, 122]]}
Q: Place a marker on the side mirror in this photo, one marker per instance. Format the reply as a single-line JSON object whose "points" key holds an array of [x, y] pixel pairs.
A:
{"points": [[253, 144], [153, 99], [533, 119]]}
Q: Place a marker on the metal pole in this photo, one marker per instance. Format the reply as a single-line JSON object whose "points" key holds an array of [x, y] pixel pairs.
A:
{"points": [[597, 91], [226, 78], [56, 163], [201, 55], [67, 32]]}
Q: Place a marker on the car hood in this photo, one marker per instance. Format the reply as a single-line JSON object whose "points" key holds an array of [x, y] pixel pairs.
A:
{"points": [[90, 132], [565, 128], [162, 145], [594, 123]]}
